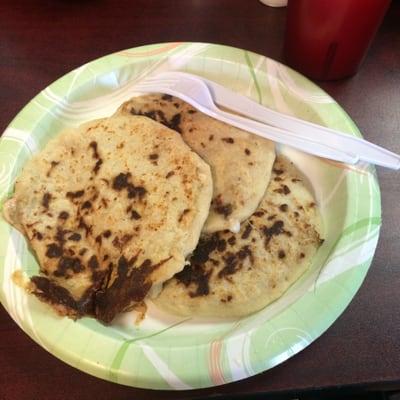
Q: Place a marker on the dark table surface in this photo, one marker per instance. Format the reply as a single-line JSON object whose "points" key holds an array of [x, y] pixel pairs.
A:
{"points": [[42, 40]]}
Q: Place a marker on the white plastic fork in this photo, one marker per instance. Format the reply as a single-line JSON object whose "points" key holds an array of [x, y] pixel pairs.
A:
{"points": [[196, 93], [306, 136]]}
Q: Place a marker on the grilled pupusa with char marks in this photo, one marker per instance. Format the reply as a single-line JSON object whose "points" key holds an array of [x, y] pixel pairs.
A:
{"points": [[240, 161], [234, 275], [111, 209]]}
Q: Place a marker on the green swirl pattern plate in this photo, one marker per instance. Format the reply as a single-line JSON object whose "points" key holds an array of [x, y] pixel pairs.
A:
{"points": [[166, 352]]}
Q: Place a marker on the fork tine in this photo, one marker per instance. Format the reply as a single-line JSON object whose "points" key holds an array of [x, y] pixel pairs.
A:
{"points": [[161, 79], [147, 87], [155, 83]]}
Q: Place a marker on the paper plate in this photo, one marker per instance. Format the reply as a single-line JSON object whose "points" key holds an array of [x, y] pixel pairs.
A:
{"points": [[166, 352]]}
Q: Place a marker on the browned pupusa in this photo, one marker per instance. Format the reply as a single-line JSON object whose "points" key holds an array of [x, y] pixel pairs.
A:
{"points": [[240, 162], [233, 275], [110, 209]]}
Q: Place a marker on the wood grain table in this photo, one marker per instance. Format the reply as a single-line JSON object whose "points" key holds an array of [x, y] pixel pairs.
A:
{"points": [[42, 40]]}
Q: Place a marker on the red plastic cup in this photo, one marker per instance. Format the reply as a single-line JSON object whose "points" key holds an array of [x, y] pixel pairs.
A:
{"points": [[328, 39]]}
